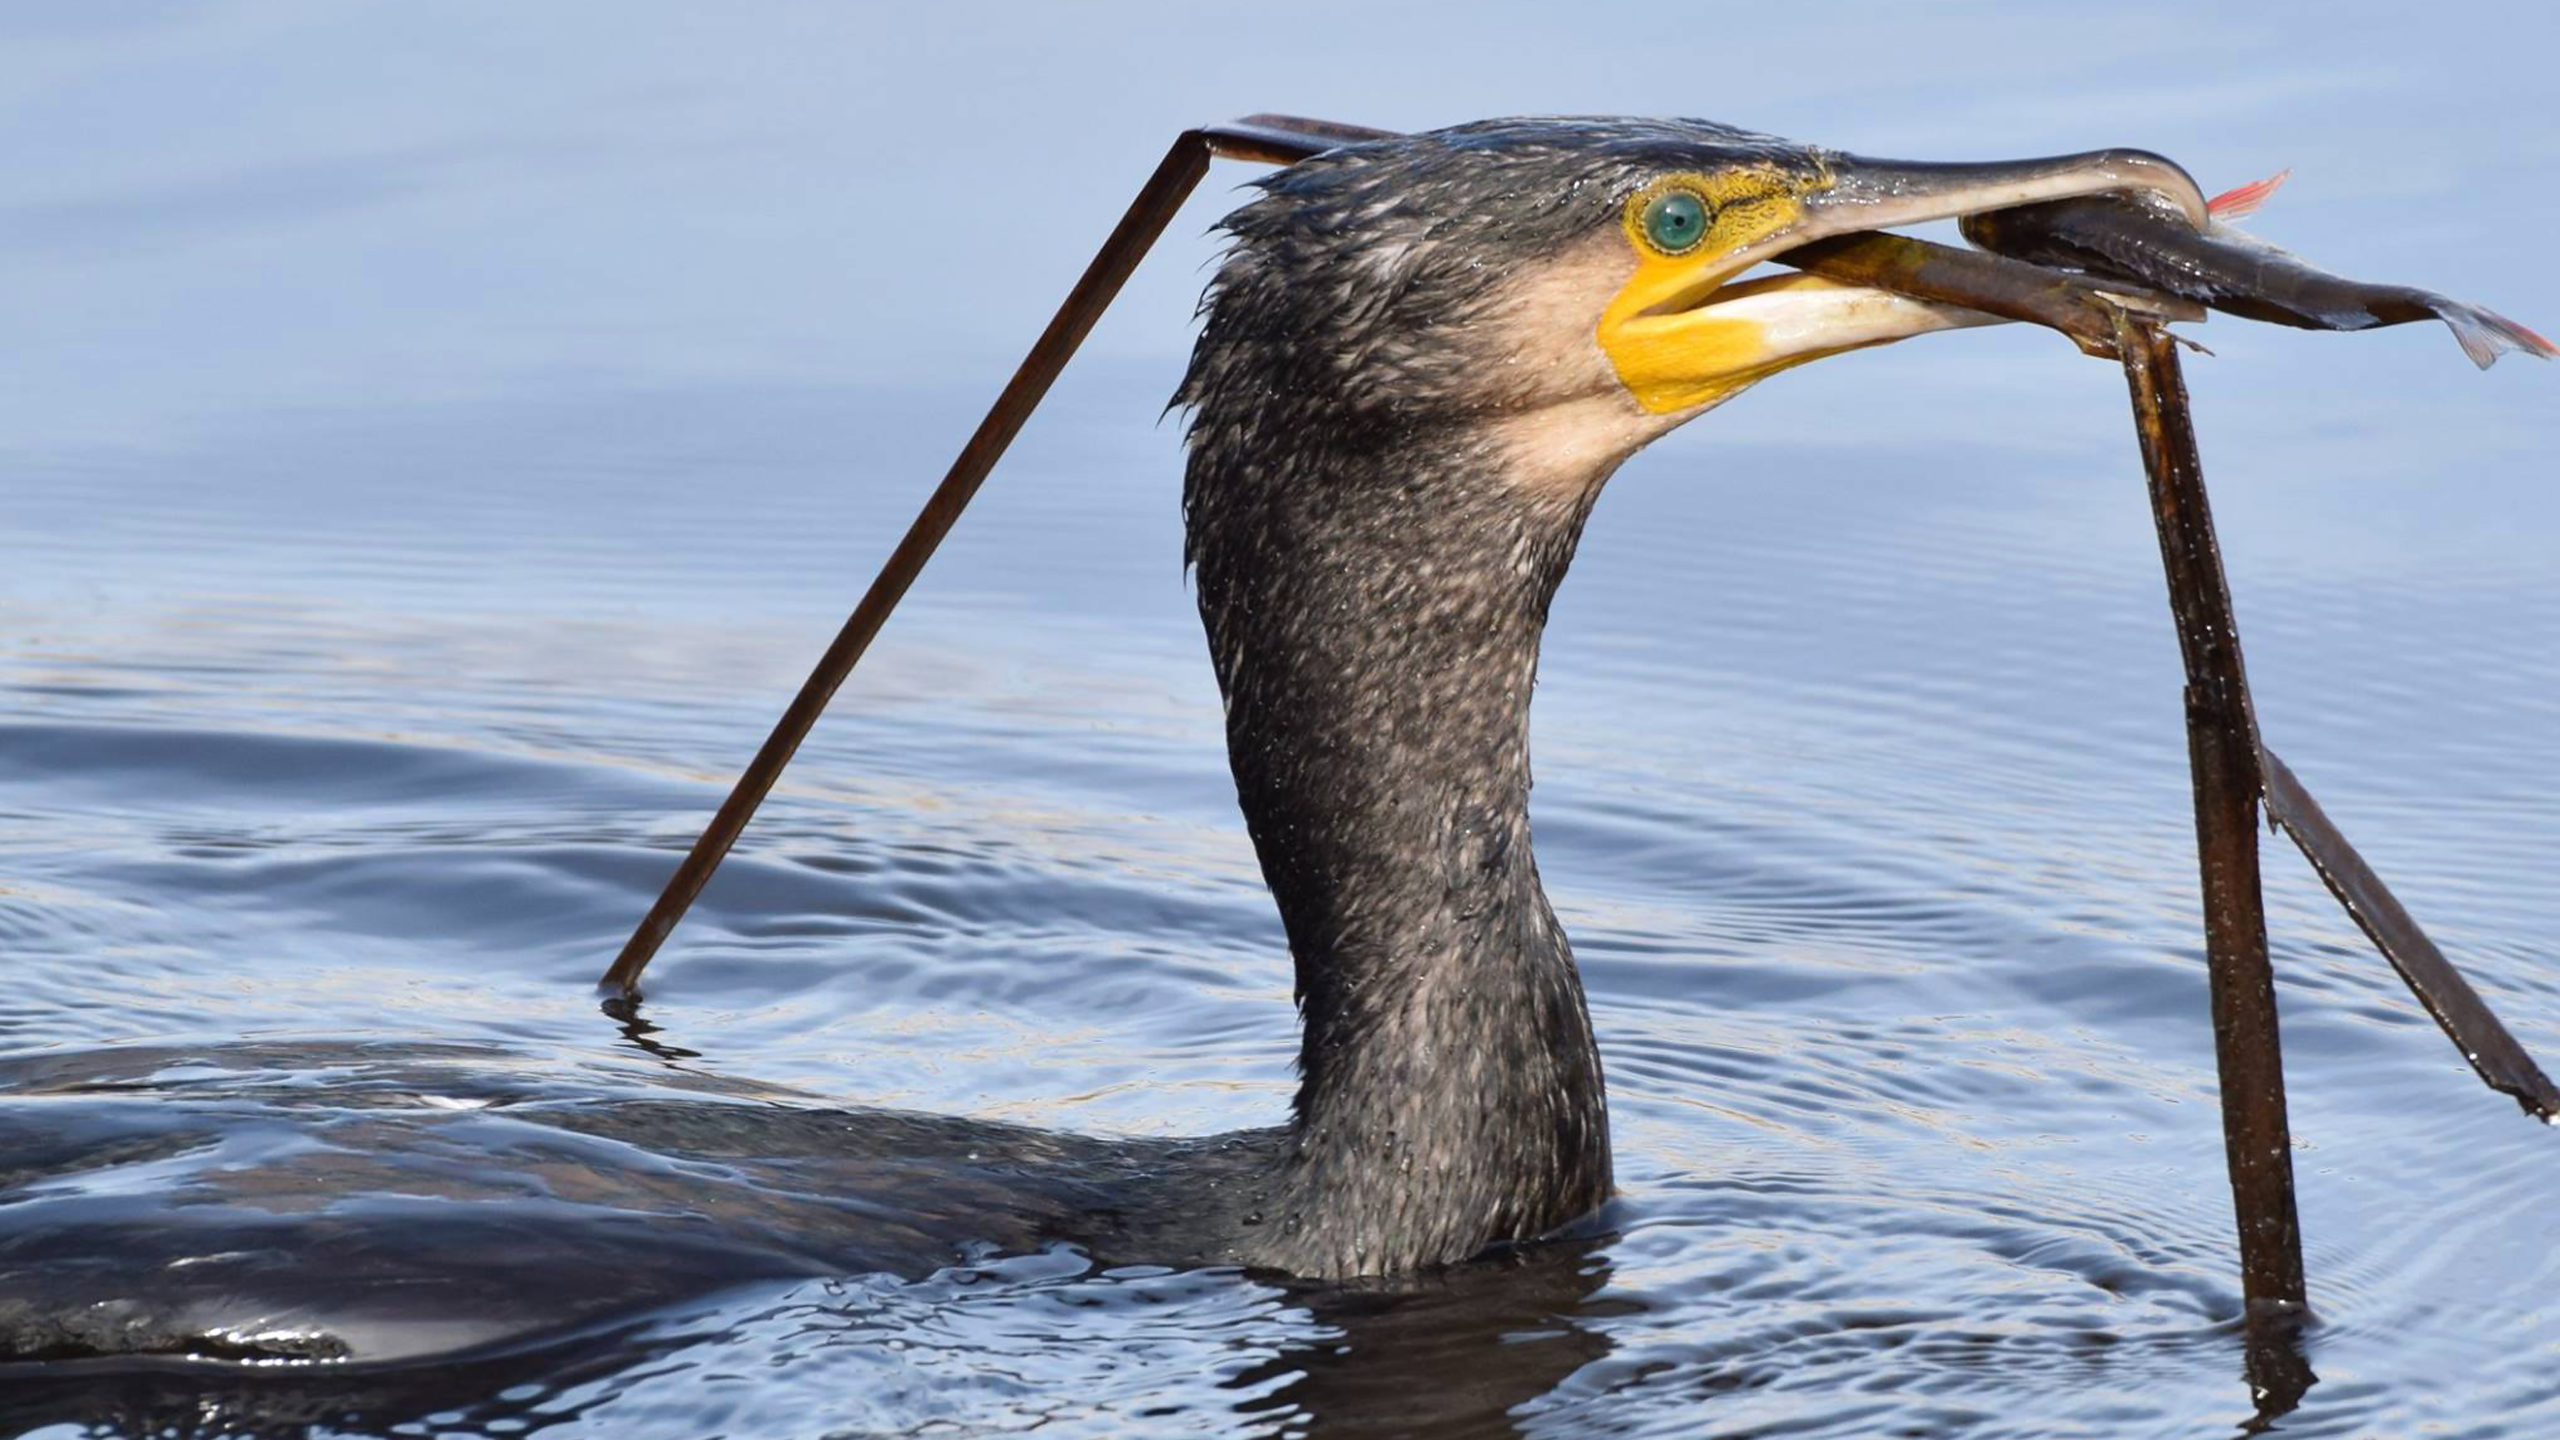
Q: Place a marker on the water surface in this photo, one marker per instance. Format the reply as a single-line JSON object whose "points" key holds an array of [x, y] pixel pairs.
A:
{"points": [[432, 443]]}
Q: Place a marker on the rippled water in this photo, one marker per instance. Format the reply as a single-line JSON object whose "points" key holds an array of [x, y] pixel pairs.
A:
{"points": [[433, 442]]}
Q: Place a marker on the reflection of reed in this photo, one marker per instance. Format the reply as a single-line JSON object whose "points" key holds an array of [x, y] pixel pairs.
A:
{"points": [[2278, 1373]]}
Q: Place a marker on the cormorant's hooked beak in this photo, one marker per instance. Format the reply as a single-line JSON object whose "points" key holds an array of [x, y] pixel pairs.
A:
{"points": [[1683, 334]]}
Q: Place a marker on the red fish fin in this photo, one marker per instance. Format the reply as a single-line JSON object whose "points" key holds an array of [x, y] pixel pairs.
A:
{"points": [[2242, 200], [2485, 334]]}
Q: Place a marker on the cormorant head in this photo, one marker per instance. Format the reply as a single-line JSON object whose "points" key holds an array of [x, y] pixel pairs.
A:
{"points": [[1570, 287]]}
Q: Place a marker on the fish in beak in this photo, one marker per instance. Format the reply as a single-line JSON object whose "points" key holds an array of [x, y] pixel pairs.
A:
{"points": [[1687, 331]]}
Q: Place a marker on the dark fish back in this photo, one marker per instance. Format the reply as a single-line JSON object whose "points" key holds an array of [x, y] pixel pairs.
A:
{"points": [[2118, 238], [2111, 236]]}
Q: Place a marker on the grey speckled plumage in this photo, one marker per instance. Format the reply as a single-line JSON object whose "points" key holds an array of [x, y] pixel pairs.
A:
{"points": [[1374, 588], [1350, 298]]}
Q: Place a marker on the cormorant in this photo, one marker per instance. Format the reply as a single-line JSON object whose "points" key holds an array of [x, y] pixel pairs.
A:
{"points": [[1420, 360]]}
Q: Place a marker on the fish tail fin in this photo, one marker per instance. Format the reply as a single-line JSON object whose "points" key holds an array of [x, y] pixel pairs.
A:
{"points": [[2486, 334], [2243, 200]]}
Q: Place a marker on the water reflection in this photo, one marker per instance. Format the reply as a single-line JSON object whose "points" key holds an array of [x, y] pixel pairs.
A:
{"points": [[2279, 1371], [1467, 1353], [518, 1394], [1015, 1342]]}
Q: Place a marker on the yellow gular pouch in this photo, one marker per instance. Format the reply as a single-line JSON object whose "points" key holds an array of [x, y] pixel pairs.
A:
{"points": [[1670, 353]]}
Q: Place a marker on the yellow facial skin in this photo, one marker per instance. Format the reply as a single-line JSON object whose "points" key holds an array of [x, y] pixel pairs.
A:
{"points": [[1670, 355]]}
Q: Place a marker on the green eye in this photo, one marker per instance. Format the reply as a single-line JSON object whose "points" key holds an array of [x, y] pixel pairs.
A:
{"points": [[1675, 221]]}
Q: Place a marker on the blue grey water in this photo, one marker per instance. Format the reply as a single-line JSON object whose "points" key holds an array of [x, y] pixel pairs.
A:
{"points": [[433, 441]]}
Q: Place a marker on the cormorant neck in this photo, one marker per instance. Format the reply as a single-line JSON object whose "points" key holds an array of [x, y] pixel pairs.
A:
{"points": [[1374, 606]]}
